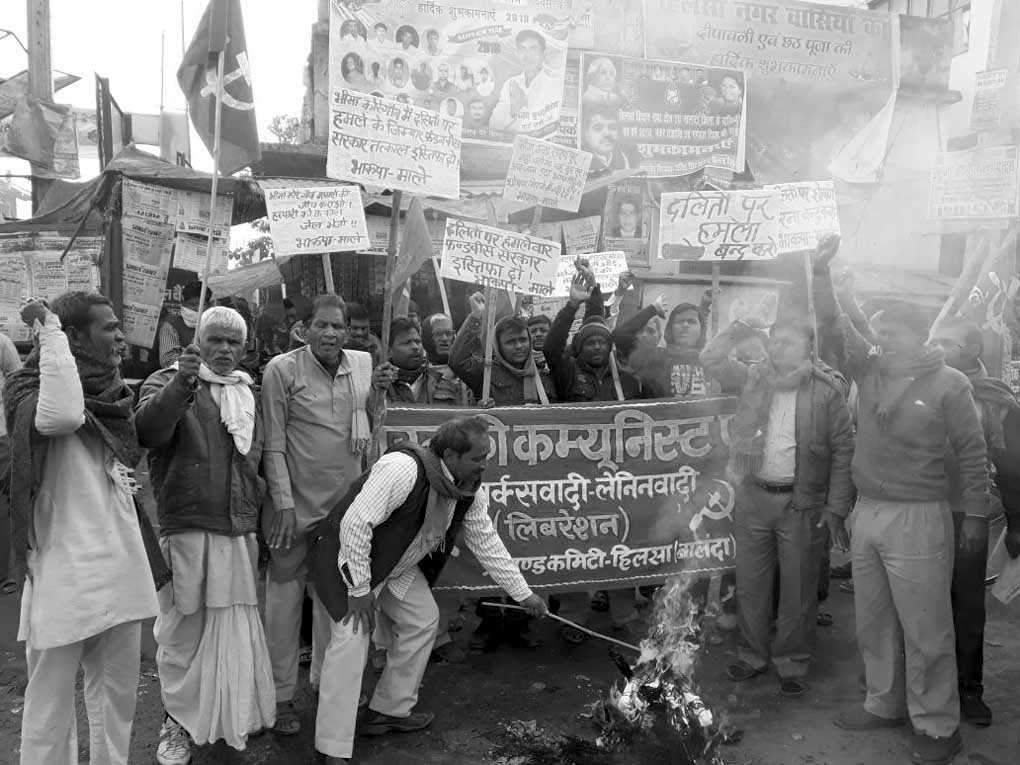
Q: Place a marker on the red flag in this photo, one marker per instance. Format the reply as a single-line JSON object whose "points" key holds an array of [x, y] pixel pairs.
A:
{"points": [[415, 251], [239, 138]]}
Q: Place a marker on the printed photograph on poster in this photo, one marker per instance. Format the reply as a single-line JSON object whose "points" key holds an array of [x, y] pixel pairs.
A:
{"points": [[805, 212], [979, 183], [718, 225], [190, 252], [312, 219], [662, 118], [494, 257], [379, 142], [496, 66], [546, 174]]}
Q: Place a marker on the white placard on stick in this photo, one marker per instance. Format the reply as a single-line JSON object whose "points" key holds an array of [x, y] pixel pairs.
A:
{"points": [[606, 267], [495, 257], [382, 142], [806, 212], [718, 225], [546, 174], [989, 87], [979, 183], [311, 219]]}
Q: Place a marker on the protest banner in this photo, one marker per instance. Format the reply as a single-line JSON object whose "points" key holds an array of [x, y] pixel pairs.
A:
{"points": [[718, 225], [828, 70], [545, 174], [979, 183], [664, 118], [592, 495], [627, 217], [495, 257], [312, 219], [805, 212], [496, 66], [606, 267], [380, 142], [986, 112]]}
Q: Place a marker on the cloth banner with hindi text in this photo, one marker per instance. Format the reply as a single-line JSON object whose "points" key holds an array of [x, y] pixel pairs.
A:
{"points": [[586, 496]]}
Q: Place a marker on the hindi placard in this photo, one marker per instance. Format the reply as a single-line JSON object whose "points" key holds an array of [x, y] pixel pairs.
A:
{"points": [[381, 142], [495, 257], [305, 220], [718, 225], [606, 267], [589, 496], [543, 173], [805, 213], [979, 183], [986, 112]]}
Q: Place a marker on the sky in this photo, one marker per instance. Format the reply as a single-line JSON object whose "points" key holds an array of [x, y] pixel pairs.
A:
{"points": [[121, 40]]}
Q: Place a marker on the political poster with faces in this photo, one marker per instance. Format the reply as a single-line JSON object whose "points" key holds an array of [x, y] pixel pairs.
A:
{"points": [[498, 66]]}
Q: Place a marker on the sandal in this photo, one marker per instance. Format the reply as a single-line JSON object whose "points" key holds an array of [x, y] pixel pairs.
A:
{"points": [[9, 587], [287, 722], [572, 636], [824, 619], [792, 687], [739, 671]]}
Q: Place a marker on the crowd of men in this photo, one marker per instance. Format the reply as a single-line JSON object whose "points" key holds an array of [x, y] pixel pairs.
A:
{"points": [[925, 450]]}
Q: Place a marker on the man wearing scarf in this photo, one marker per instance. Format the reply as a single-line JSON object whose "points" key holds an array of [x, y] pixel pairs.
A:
{"points": [[394, 530], [961, 340], [914, 411], [414, 380], [516, 380], [199, 421], [176, 331], [792, 443], [79, 537]]}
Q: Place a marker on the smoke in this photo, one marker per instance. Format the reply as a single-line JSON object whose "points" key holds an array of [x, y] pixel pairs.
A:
{"points": [[672, 641]]}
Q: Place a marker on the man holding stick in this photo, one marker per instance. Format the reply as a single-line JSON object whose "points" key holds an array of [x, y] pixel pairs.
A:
{"points": [[394, 529]]}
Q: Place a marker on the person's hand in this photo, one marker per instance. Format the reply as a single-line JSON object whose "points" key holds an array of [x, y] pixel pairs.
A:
{"points": [[281, 533], [384, 375], [477, 304], [360, 613], [33, 311], [1012, 542], [974, 535], [660, 306], [188, 364], [837, 529], [626, 281], [487, 403], [580, 290], [535, 606], [825, 251]]}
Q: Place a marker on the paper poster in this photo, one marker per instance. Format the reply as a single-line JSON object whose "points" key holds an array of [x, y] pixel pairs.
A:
{"points": [[610, 26], [496, 66], [806, 212], [627, 219], [545, 174], [718, 225], [825, 69], [82, 272], [989, 87], [140, 322], [13, 279], [380, 142], [606, 267], [190, 252], [193, 213], [48, 276], [495, 257], [149, 203], [664, 118], [313, 219], [979, 183]]}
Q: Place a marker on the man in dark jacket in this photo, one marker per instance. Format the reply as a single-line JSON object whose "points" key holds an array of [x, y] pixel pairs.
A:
{"points": [[516, 380], [960, 339], [412, 503], [792, 445], [199, 421], [414, 380]]}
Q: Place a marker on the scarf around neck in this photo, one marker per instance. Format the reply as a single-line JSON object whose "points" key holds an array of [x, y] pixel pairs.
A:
{"points": [[232, 393], [534, 390], [441, 484], [410, 376], [884, 389]]}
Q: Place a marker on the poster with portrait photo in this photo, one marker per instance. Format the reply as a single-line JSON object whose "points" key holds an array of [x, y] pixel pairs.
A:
{"points": [[659, 117], [626, 220]]}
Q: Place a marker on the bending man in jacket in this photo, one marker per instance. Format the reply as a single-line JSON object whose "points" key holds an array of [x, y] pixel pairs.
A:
{"points": [[792, 445], [199, 421], [415, 503]]}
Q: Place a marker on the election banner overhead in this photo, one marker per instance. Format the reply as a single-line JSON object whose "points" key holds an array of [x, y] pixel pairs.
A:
{"points": [[587, 496]]}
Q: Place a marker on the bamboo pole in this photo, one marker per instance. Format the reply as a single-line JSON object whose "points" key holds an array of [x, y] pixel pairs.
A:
{"points": [[809, 279], [221, 60], [379, 406]]}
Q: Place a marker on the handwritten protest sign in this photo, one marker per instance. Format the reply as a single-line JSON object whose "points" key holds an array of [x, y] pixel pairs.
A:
{"points": [[805, 213], [397, 146], [495, 257], [980, 183], [310, 219], [665, 119], [589, 496], [543, 173], [718, 225], [989, 87], [605, 266]]}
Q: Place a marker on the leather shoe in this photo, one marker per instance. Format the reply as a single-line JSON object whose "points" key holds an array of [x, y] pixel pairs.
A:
{"points": [[932, 750], [974, 710]]}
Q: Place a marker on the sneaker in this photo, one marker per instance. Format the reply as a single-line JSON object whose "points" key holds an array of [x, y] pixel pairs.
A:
{"points": [[379, 724], [934, 750], [174, 745], [860, 718], [974, 710]]}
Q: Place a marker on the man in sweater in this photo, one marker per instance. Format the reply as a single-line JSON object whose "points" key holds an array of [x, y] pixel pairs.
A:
{"points": [[914, 412], [961, 340], [199, 422], [399, 521]]}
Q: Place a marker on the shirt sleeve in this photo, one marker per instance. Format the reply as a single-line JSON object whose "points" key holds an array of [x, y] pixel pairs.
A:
{"points": [[61, 407], [274, 418], [169, 345], [967, 440], [387, 487], [481, 538]]}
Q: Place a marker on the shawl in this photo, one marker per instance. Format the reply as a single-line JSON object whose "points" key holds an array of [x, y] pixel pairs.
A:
{"points": [[893, 378], [361, 386], [534, 390], [435, 525]]}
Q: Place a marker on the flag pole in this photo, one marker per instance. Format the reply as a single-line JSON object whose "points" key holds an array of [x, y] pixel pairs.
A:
{"points": [[220, 63], [379, 407]]}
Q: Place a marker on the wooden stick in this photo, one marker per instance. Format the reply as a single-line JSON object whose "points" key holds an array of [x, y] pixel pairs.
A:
{"points": [[442, 287], [713, 318], [490, 330], [221, 60], [327, 273], [809, 276], [575, 625], [379, 404]]}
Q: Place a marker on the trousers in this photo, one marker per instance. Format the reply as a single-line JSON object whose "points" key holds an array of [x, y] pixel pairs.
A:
{"points": [[902, 556], [412, 623], [283, 632], [968, 598], [110, 662]]}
